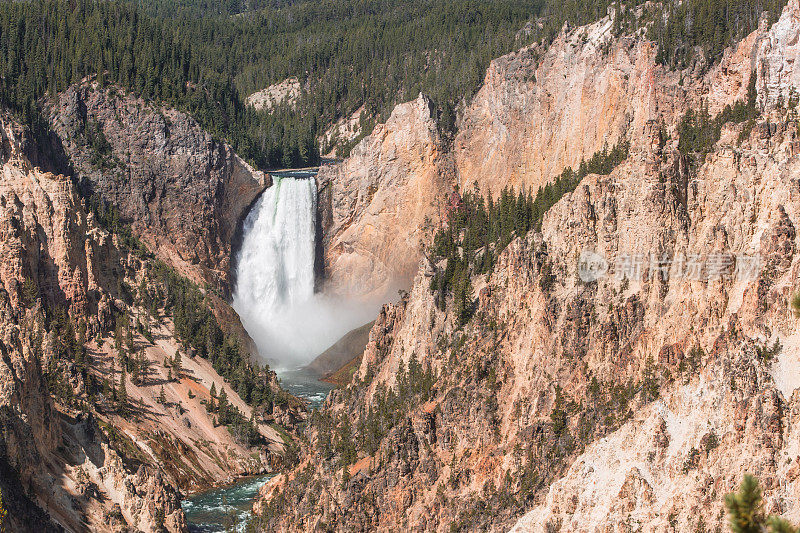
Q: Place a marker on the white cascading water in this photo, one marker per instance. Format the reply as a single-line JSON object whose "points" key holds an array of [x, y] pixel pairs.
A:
{"points": [[274, 293], [276, 263]]}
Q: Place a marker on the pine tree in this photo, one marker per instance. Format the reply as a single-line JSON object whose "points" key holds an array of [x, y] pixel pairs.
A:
{"points": [[142, 291], [129, 340], [463, 297], [124, 360], [650, 383], [213, 396], [162, 397], [745, 507], [136, 371], [222, 407], [123, 391], [252, 428], [746, 512], [558, 416], [779, 525], [154, 308], [30, 292], [118, 337]]}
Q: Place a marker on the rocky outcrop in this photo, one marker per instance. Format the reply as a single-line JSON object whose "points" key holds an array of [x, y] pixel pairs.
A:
{"points": [[54, 255], [669, 467], [343, 353], [75, 450], [540, 111], [377, 206], [778, 75], [48, 240], [637, 396], [343, 132], [285, 92], [183, 192]]}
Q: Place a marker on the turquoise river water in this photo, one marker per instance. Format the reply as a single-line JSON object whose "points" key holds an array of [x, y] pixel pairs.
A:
{"points": [[228, 508]]}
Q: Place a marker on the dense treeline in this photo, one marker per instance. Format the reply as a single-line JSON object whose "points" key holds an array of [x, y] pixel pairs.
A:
{"points": [[243, 429], [50, 44], [707, 26], [202, 8], [196, 56], [479, 229], [371, 53], [698, 132]]}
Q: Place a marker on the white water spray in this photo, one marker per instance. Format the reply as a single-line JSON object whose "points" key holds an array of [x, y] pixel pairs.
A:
{"points": [[274, 293]]}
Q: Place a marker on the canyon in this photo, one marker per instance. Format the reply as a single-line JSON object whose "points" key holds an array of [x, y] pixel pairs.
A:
{"points": [[636, 400], [633, 399], [71, 326]]}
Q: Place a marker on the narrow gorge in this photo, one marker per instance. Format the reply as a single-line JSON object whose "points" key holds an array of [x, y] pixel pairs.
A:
{"points": [[439, 266]]}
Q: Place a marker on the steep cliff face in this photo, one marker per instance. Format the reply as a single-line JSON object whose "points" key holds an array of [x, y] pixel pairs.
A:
{"points": [[540, 111], [639, 397], [377, 205], [52, 251], [670, 466], [183, 192], [102, 423], [48, 239]]}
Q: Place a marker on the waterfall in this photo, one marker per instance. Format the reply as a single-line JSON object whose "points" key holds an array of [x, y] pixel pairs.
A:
{"points": [[276, 264], [274, 292], [275, 267]]}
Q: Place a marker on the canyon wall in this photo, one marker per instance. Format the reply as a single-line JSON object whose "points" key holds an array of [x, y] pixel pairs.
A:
{"points": [[380, 205], [182, 191], [673, 462], [84, 444], [49, 245], [638, 397], [540, 111]]}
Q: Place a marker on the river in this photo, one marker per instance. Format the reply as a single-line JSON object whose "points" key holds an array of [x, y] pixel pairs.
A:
{"points": [[228, 508], [290, 322], [224, 508]]}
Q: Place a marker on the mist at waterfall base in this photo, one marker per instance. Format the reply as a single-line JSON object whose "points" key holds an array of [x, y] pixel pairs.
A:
{"points": [[274, 293]]}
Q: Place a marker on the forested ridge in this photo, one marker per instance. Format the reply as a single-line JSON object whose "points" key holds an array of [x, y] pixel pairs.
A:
{"points": [[206, 57], [371, 53]]}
